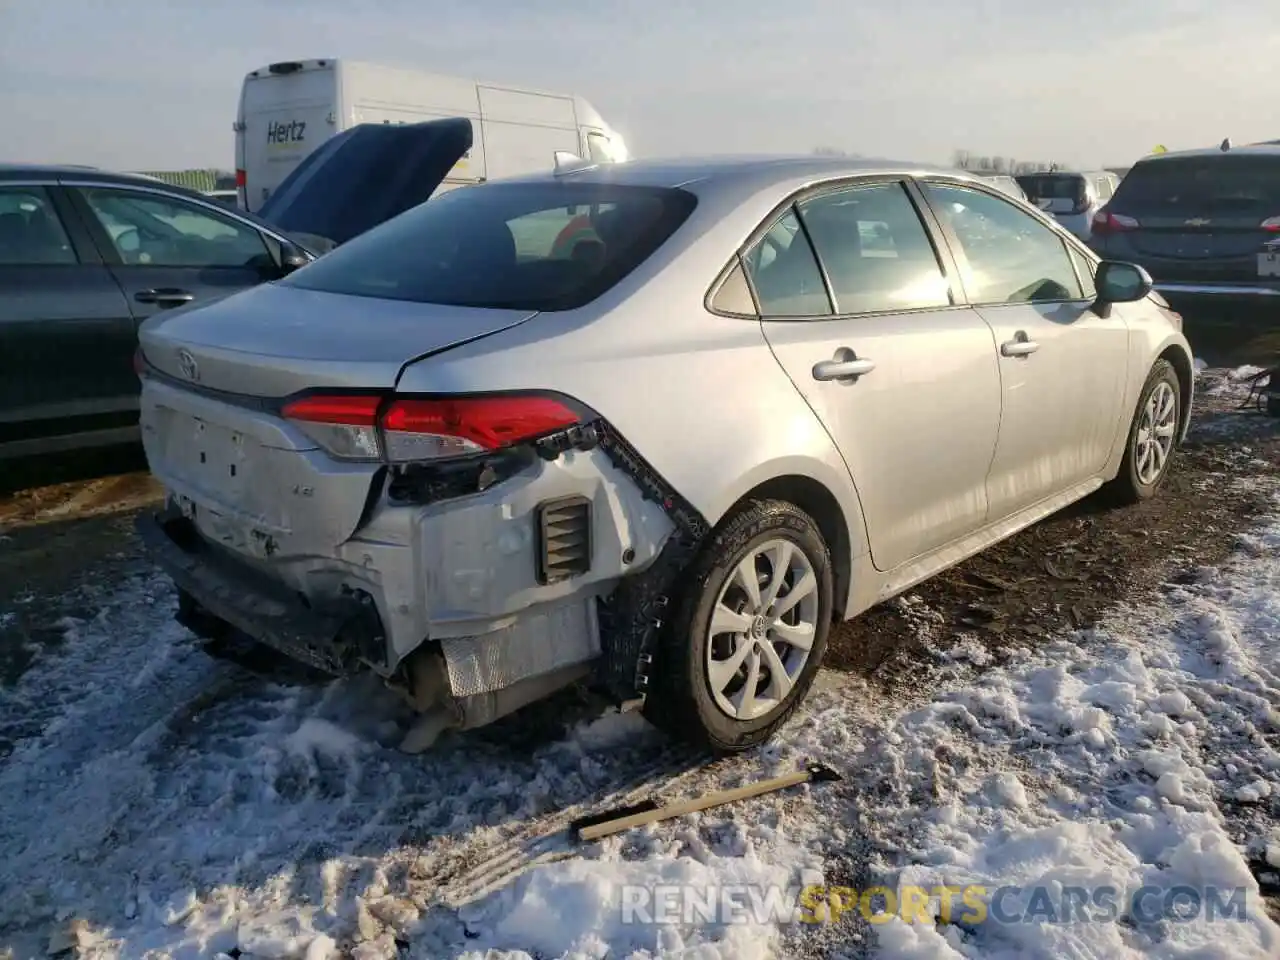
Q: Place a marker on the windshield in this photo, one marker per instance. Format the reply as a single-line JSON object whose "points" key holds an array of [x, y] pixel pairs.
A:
{"points": [[529, 246], [1220, 185]]}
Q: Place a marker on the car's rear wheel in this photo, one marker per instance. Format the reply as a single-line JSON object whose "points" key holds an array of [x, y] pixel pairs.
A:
{"points": [[749, 630], [1153, 437]]}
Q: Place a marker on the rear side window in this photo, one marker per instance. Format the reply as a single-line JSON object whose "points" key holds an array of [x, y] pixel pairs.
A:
{"points": [[30, 232], [785, 273], [875, 249], [734, 296], [1203, 186], [524, 246]]}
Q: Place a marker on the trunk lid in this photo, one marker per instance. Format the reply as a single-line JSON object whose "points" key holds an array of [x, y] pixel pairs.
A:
{"points": [[251, 480], [366, 175], [271, 341]]}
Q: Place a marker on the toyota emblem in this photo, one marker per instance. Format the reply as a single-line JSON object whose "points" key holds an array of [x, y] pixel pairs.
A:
{"points": [[187, 364]]}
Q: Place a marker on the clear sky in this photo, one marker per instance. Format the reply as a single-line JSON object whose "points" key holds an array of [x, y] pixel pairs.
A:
{"points": [[150, 84]]}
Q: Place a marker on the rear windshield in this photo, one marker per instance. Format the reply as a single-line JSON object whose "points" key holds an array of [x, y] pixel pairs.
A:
{"points": [[1053, 186], [1221, 185], [527, 246]]}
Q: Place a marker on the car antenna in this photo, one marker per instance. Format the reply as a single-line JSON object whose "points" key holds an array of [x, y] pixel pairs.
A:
{"points": [[1226, 145], [566, 162]]}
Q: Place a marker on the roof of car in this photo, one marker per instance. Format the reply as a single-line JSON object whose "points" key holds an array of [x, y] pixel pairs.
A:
{"points": [[753, 170], [1252, 150], [51, 171]]}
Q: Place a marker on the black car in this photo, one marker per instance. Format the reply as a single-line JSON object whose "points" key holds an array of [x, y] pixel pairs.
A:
{"points": [[86, 256], [1204, 223]]}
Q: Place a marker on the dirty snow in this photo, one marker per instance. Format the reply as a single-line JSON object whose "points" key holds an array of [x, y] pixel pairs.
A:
{"points": [[160, 803]]}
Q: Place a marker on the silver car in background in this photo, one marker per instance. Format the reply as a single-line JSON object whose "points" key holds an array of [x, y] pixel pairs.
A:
{"points": [[1072, 198], [656, 425]]}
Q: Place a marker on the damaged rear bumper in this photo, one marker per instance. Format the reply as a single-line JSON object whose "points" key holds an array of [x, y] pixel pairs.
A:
{"points": [[332, 639]]}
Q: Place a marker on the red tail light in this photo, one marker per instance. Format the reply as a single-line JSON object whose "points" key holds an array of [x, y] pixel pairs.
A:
{"points": [[1271, 224], [241, 180], [1104, 222], [408, 429]]}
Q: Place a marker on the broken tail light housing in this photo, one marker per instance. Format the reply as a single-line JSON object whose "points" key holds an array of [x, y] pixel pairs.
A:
{"points": [[392, 429]]}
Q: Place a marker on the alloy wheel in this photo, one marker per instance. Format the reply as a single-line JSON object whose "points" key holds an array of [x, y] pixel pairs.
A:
{"points": [[762, 629], [1156, 430]]}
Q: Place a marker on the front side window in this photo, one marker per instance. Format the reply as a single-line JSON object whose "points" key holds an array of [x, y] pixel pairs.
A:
{"points": [[151, 230], [785, 273], [31, 234], [876, 251], [1012, 257], [520, 246]]}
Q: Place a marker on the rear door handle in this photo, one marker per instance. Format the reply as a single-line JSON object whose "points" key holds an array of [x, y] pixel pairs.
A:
{"points": [[1020, 346], [846, 365], [165, 296]]}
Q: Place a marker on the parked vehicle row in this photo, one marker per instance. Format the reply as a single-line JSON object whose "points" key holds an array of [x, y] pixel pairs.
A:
{"points": [[659, 423]]}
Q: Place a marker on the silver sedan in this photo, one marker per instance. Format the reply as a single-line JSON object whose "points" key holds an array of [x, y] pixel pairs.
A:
{"points": [[654, 425]]}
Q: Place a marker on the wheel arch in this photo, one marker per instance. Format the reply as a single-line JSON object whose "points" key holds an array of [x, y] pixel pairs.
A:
{"points": [[840, 526], [1183, 365]]}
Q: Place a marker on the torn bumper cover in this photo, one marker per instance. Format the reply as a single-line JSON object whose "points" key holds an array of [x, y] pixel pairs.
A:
{"points": [[331, 639], [464, 578]]}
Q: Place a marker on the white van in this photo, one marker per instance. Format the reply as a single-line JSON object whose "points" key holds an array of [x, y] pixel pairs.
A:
{"points": [[288, 109]]}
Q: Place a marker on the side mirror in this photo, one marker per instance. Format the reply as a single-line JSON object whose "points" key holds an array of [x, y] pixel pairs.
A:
{"points": [[1120, 282], [291, 258]]}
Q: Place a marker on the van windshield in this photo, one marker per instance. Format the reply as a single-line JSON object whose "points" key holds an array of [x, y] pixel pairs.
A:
{"points": [[530, 246]]}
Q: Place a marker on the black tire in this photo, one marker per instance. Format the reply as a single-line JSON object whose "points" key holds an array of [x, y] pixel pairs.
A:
{"points": [[681, 701], [1127, 487]]}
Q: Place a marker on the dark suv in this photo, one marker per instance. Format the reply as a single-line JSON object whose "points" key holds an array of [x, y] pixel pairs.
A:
{"points": [[1204, 223]]}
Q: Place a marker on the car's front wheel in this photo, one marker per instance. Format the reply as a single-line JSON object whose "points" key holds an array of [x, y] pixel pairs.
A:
{"points": [[749, 630], [1153, 435]]}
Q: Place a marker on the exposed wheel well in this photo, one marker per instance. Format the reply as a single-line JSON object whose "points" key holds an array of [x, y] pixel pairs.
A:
{"points": [[1182, 367], [817, 501]]}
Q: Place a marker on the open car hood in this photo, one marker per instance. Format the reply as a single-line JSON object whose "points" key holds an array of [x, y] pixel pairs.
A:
{"points": [[363, 176]]}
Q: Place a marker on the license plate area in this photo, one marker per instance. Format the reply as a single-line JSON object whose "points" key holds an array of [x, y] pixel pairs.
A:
{"points": [[218, 457], [1269, 264], [217, 464]]}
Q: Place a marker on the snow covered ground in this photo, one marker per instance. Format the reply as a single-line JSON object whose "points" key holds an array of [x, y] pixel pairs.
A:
{"points": [[158, 803]]}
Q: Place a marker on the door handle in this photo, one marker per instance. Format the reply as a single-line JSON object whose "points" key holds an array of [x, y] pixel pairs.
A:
{"points": [[1020, 346], [165, 296], [846, 365]]}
